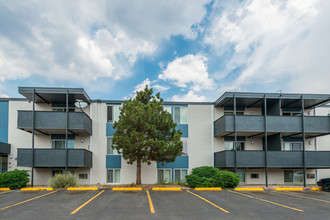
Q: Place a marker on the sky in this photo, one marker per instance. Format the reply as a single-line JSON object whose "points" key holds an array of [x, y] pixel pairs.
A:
{"points": [[188, 50]]}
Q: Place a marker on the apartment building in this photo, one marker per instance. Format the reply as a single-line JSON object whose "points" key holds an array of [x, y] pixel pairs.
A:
{"points": [[266, 138]]}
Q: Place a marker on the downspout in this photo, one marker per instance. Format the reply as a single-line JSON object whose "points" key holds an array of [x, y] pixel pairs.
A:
{"points": [[235, 135], [66, 131], [33, 126], [303, 132], [266, 140], [90, 144], [212, 134]]}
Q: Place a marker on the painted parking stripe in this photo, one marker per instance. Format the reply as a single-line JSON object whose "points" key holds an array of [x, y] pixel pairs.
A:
{"points": [[224, 210], [152, 209], [80, 207], [304, 197], [264, 200], [27, 200], [5, 192]]}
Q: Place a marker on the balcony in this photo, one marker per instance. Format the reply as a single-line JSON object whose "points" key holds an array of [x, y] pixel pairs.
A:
{"points": [[315, 125], [276, 159], [54, 158], [49, 122]]}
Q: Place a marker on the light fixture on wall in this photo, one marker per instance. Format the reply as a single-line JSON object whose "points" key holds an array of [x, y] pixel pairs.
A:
{"points": [[10, 156], [251, 111], [310, 142], [252, 142], [82, 140]]}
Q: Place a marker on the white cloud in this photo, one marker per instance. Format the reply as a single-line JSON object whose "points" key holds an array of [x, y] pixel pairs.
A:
{"points": [[189, 97], [190, 70], [278, 44], [88, 42], [161, 88], [142, 85]]}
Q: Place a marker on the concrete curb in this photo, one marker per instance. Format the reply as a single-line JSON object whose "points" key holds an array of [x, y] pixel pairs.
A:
{"points": [[38, 189], [166, 189], [288, 189], [208, 189], [248, 189], [126, 189], [81, 188], [4, 189]]}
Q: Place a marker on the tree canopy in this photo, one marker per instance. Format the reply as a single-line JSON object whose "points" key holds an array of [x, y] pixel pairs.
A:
{"points": [[146, 132]]}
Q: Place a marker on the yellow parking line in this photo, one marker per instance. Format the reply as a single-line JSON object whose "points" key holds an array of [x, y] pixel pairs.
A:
{"points": [[152, 210], [249, 189], [5, 192], [304, 197], [288, 189], [224, 210], [166, 189], [208, 189], [264, 200], [77, 209], [27, 200]]}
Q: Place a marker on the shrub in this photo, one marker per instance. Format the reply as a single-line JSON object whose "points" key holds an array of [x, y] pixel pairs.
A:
{"points": [[205, 171], [212, 177], [226, 179], [14, 179], [63, 180]]}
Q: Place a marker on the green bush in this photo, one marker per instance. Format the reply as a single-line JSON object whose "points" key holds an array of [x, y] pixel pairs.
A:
{"points": [[63, 180], [14, 179], [212, 177]]}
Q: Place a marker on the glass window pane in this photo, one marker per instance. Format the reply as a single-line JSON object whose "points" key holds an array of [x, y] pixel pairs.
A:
{"points": [[241, 175], [168, 109], [287, 146], [229, 145], [288, 176], [116, 112], [177, 175], [160, 176], [183, 115], [109, 113], [109, 146], [184, 173], [117, 176], [240, 145], [167, 176], [177, 115], [185, 145], [59, 144], [110, 176], [70, 144], [298, 176], [296, 146]]}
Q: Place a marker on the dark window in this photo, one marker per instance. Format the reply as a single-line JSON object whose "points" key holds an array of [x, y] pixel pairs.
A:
{"points": [[109, 113], [254, 175], [310, 176], [83, 176]]}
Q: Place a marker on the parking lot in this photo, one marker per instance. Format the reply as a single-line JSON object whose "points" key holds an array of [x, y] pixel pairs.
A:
{"points": [[148, 204]]}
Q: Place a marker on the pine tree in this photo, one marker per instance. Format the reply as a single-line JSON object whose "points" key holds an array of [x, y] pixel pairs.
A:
{"points": [[145, 132]]}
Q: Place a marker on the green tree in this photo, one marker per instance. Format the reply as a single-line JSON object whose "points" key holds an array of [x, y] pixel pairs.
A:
{"points": [[145, 132]]}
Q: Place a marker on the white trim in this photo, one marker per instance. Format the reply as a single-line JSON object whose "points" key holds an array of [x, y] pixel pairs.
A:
{"points": [[113, 174], [90, 144], [212, 134], [180, 172], [170, 169]]}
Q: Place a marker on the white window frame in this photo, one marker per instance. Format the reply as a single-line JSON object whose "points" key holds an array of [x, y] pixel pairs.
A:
{"points": [[233, 142], [180, 174], [113, 174], [173, 114], [171, 179], [186, 139], [74, 143], [113, 113], [244, 175], [293, 171]]}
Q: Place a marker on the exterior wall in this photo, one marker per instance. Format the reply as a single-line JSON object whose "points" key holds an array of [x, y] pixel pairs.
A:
{"points": [[4, 111]]}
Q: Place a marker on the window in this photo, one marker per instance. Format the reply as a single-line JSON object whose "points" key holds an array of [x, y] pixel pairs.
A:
{"points": [[232, 113], [111, 150], [113, 176], [185, 146], [292, 146], [83, 176], [293, 176], [62, 109], [254, 175], [310, 176], [241, 175], [113, 113], [60, 144], [164, 175], [229, 145], [287, 113], [168, 108], [180, 115], [3, 163], [180, 175]]}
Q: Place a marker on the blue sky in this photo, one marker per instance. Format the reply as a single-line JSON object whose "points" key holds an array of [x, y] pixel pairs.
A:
{"points": [[187, 50]]}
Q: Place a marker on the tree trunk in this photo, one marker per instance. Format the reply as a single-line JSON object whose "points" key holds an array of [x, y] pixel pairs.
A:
{"points": [[138, 172]]}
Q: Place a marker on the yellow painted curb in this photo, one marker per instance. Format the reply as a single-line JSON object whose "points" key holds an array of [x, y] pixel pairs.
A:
{"points": [[4, 189], [249, 189], [126, 189], [208, 188], [37, 189], [289, 189], [166, 189], [317, 189], [81, 188]]}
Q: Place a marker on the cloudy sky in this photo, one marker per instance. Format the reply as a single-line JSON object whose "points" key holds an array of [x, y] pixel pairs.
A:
{"points": [[192, 50]]}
